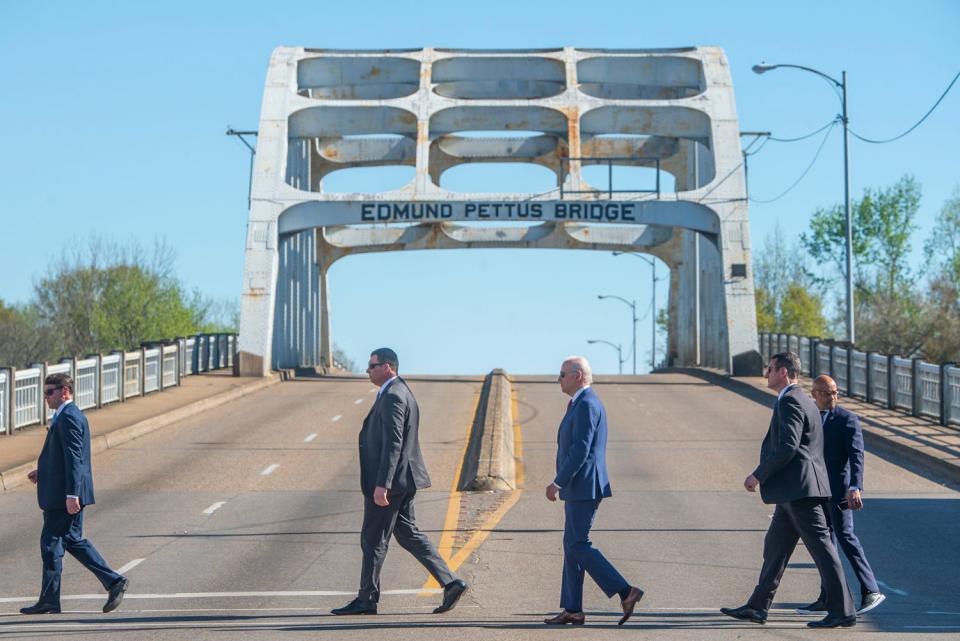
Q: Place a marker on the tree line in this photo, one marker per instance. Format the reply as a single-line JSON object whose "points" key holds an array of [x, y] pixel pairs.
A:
{"points": [[898, 309]]}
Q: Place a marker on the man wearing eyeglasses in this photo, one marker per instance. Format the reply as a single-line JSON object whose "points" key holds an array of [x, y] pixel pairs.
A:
{"points": [[391, 472], [843, 454], [64, 480], [792, 475], [582, 483]]}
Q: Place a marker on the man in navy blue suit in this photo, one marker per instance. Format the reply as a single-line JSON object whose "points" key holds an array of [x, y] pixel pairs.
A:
{"points": [[581, 482], [843, 454], [64, 479]]}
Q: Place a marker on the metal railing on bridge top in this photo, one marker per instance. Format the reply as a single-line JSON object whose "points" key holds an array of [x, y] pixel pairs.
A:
{"points": [[101, 379], [914, 386]]}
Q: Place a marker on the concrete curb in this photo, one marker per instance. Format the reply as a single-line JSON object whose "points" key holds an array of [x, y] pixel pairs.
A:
{"points": [[489, 462], [890, 445], [17, 476]]}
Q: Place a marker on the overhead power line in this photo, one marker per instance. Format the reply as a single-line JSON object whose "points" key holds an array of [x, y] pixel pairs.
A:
{"points": [[805, 136], [917, 124], [805, 171]]}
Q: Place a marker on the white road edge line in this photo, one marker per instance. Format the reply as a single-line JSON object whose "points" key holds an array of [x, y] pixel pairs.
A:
{"points": [[890, 588], [268, 470], [213, 508], [336, 418], [358, 401], [223, 595], [310, 437], [129, 566]]}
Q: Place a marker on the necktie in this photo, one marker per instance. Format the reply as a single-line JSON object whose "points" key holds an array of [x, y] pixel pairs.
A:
{"points": [[823, 417], [569, 404]]}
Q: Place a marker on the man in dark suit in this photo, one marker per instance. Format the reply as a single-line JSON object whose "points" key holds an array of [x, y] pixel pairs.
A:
{"points": [[843, 454], [792, 475], [582, 483], [391, 472], [64, 479]]}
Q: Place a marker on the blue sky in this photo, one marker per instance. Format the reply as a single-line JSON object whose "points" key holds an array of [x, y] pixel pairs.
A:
{"points": [[114, 116]]}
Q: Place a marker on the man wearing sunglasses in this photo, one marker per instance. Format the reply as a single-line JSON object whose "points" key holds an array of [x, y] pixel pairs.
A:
{"points": [[64, 480], [391, 472]]}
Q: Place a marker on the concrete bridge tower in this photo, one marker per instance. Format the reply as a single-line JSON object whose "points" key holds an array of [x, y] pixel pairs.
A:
{"points": [[670, 110]]}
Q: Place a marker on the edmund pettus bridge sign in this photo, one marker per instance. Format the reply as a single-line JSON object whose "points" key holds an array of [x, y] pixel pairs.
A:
{"points": [[669, 110]]}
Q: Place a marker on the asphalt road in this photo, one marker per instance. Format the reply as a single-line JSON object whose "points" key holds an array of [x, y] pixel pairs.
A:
{"points": [[240, 521]]}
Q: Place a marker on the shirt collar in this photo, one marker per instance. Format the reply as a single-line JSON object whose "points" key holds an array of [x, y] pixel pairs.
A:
{"points": [[383, 388], [577, 394], [57, 411], [784, 390]]}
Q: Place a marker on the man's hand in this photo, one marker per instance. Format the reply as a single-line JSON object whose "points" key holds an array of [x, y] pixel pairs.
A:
{"points": [[32, 475], [854, 500], [380, 496], [751, 483], [73, 505], [552, 491]]}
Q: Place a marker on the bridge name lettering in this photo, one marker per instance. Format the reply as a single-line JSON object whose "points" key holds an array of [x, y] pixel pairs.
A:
{"points": [[426, 211]]}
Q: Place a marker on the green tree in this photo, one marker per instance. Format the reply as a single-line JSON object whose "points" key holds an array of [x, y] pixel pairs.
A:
{"points": [[800, 312], [766, 311], [941, 344], [787, 298], [943, 247]]}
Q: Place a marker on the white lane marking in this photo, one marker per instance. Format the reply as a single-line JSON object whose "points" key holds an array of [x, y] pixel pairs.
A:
{"points": [[213, 508], [336, 418], [129, 566], [953, 614], [931, 627], [310, 437], [373, 390], [358, 401], [890, 588], [267, 471], [223, 595]]}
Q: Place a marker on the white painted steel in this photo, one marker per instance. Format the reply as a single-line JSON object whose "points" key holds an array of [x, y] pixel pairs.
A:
{"points": [[839, 373], [190, 349], [903, 383], [929, 387], [170, 355], [879, 379], [112, 368], [151, 370], [804, 346], [131, 374], [85, 383], [823, 359], [27, 397], [953, 385], [858, 387], [4, 395]]}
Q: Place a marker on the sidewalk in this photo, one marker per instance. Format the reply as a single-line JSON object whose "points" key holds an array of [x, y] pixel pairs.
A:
{"points": [[118, 423], [920, 441]]}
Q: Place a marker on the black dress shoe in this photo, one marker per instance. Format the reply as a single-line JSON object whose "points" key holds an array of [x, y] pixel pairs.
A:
{"points": [[41, 608], [629, 603], [357, 606], [451, 594], [565, 618], [746, 613], [834, 622], [817, 606], [115, 597]]}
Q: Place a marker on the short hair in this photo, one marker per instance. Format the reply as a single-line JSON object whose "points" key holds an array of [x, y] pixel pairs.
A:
{"points": [[60, 380], [824, 381], [580, 364], [387, 355], [790, 361]]}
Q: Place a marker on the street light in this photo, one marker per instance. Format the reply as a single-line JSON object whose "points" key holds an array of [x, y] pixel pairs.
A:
{"points": [[842, 84], [616, 346], [633, 308], [653, 306]]}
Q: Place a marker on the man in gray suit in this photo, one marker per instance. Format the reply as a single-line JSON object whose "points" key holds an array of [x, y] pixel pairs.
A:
{"points": [[792, 475], [391, 472]]}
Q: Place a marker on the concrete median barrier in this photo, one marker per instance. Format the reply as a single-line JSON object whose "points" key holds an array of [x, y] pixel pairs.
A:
{"points": [[489, 462]]}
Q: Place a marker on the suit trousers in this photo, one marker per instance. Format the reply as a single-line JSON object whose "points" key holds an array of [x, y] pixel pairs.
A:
{"points": [[805, 520], [396, 519], [63, 531], [841, 525], [580, 556]]}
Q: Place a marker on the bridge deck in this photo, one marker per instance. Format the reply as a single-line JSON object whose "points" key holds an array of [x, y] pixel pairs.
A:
{"points": [[243, 507]]}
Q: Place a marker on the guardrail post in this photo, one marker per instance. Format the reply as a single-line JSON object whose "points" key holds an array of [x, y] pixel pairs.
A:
{"points": [[11, 397], [142, 372], [850, 370], [830, 362], [122, 376], [916, 388], [99, 381], [945, 395], [43, 376], [234, 360], [814, 368], [869, 374], [891, 383]]}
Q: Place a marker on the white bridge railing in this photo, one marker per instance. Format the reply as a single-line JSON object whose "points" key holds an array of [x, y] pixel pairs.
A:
{"points": [[101, 379], [911, 385]]}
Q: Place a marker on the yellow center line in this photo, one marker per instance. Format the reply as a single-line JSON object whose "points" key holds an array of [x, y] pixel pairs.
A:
{"points": [[453, 507]]}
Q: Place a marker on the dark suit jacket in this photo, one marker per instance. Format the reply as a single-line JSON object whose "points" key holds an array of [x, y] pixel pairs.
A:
{"points": [[843, 451], [390, 454], [64, 466], [791, 457], [582, 450]]}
